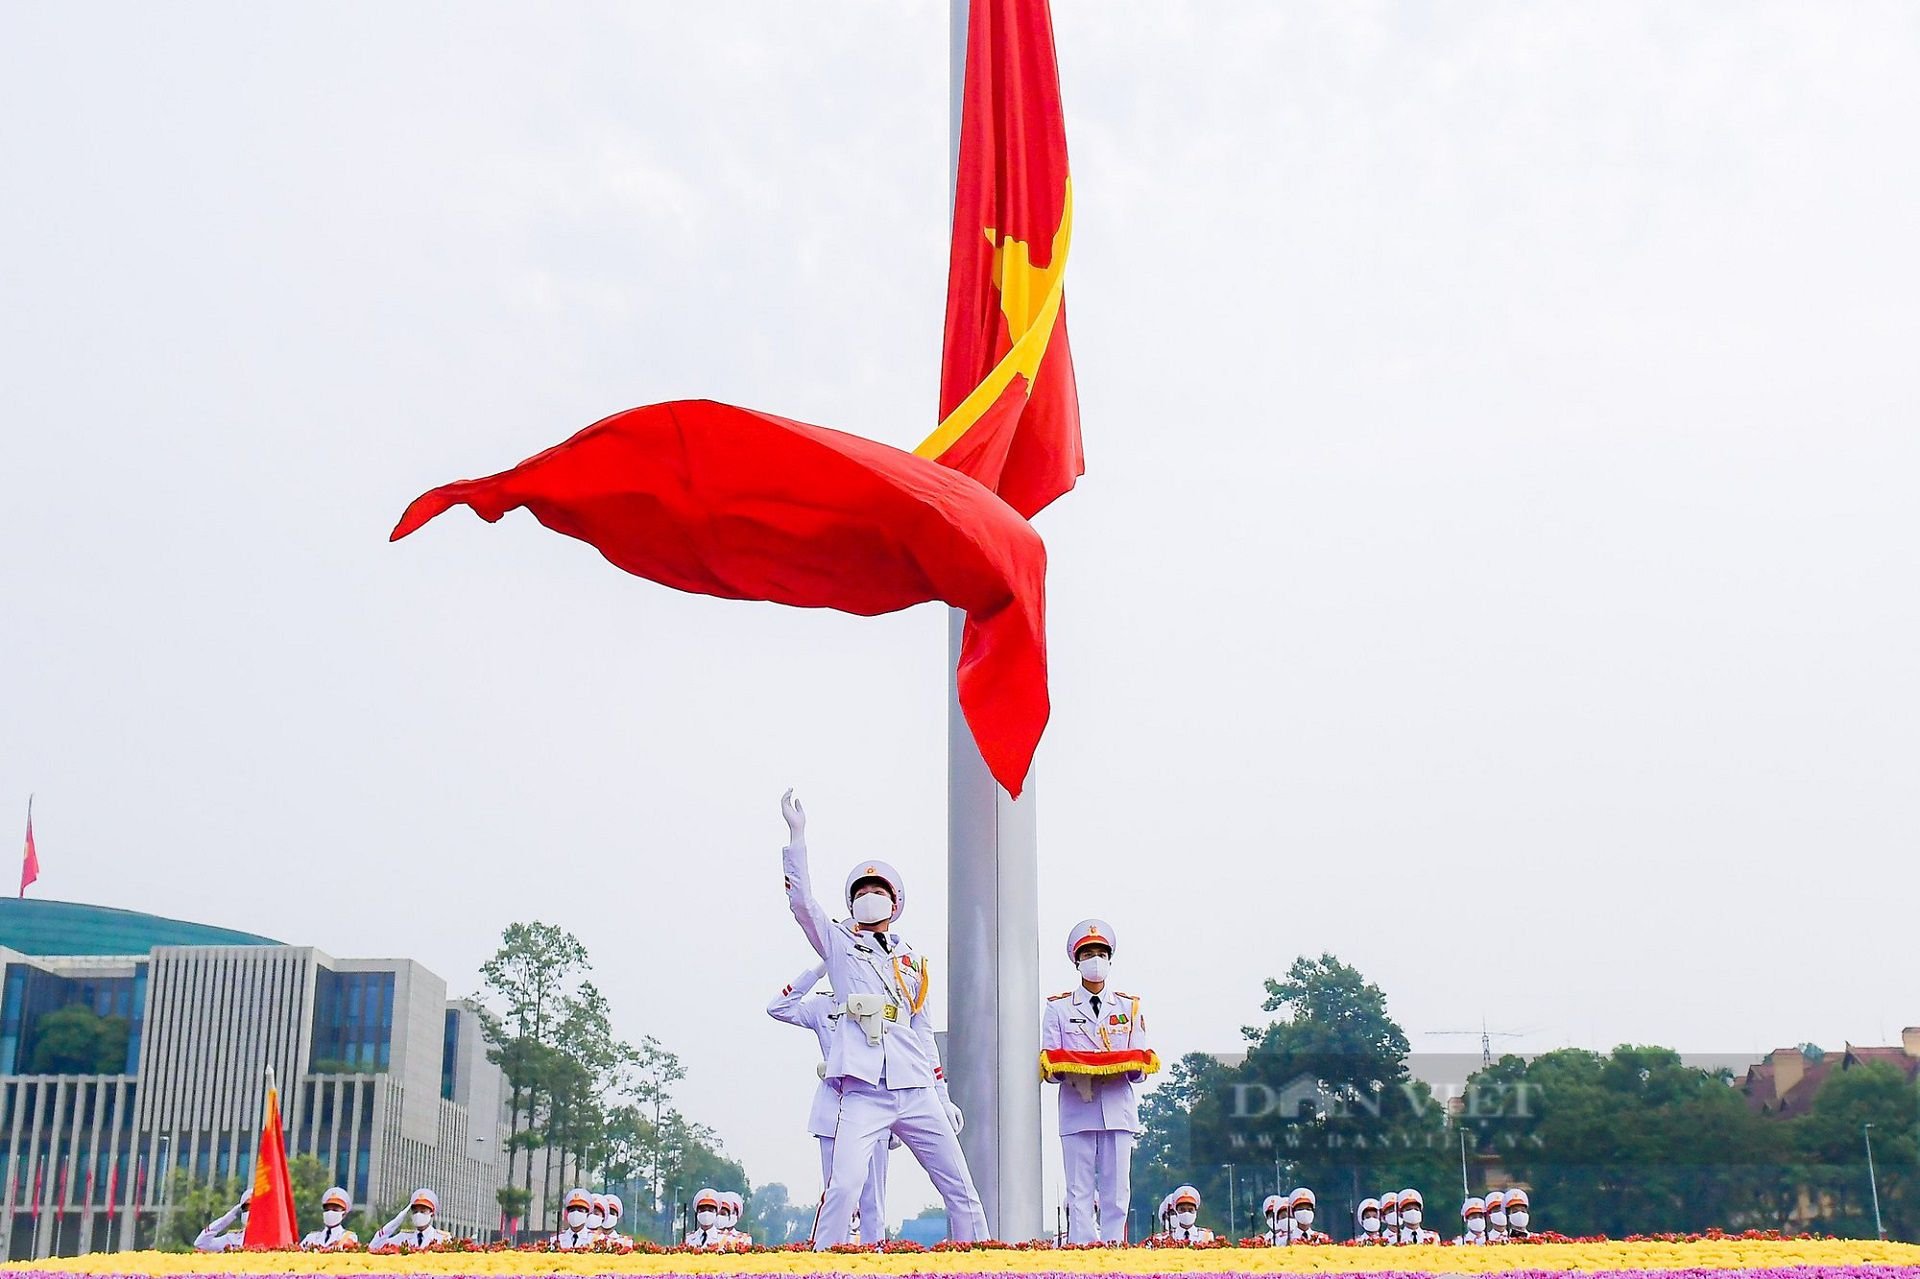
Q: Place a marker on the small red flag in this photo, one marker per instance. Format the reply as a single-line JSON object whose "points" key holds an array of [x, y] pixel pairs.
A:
{"points": [[30, 860], [113, 1182], [39, 1166], [725, 501], [270, 1217]]}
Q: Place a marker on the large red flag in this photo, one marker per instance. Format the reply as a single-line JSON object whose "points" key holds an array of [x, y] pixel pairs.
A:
{"points": [[1010, 414], [29, 860], [724, 501], [270, 1216]]}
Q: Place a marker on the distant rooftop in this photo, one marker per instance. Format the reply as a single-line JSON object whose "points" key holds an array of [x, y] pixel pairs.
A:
{"points": [[34, 926]]}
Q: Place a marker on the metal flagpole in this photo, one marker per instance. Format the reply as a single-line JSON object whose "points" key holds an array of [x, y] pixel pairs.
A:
{"points": [[993, 920]]}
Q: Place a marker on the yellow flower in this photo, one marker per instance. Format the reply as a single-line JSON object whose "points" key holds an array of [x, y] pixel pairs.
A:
{"points": [[1712, 1254]]}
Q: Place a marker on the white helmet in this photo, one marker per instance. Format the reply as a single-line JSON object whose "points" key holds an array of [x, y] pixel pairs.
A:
{"points": [[887, 875], [1273, 1205], [613, 1207]]}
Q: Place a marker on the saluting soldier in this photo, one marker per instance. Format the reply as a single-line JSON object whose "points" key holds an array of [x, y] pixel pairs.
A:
{"points": [[799, 1005], [228, 1231], [1099, 1114], [882, 1061]]}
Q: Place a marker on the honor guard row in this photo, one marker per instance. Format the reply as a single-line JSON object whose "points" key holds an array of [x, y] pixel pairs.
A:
{"points": [[591, 1221], [716, 1221], [412, 1227]]}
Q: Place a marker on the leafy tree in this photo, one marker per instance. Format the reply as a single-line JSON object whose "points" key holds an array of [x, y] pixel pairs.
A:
{"points": [[1321, 1098], [531, 974], [1831, 1139], [78, 1041]]}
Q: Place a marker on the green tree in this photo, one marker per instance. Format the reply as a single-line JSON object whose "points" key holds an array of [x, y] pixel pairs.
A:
{"points": [[1831, 1139], [531, 974], [78, 1041], [1322, 1098]]}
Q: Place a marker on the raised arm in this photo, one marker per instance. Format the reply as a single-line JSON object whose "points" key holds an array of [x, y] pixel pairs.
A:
{"points": [[208, 1240], [383, 1237], [807, 911], [789, 1005]]}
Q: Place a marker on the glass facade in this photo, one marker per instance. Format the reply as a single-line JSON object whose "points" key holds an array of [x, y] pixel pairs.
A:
{"points": [[31, 993], [352, 1022], [449, 1052]]}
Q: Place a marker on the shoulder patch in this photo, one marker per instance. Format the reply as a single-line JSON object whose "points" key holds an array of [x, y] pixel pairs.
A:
{"points": [[1121, 994], [1065, 994]]}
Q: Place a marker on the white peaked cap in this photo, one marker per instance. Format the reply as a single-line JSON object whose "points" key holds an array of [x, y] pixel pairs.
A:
{"points": [[1473, 1204], [1089, 930], [885, 872]]}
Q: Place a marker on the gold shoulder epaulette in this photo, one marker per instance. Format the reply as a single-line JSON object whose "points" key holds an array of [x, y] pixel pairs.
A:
{"points": [[1065, 994], [1121, 994]]}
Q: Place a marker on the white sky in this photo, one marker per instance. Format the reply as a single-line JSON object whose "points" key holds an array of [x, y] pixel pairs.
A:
{"points": [[1496, 564]]}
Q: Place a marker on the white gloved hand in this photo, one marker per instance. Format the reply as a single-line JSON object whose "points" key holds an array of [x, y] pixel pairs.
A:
{"points": [[955, 1118], [796, 817]]}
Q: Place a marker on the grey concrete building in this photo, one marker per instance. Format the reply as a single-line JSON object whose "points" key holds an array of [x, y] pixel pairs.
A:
{"points": [[383, 1078]]}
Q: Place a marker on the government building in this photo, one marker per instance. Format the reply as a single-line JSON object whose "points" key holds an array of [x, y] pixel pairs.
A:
{"points": [[382, 1077]]}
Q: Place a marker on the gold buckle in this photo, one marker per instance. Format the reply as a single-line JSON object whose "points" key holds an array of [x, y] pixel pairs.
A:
{"points": [[893, 1012]]}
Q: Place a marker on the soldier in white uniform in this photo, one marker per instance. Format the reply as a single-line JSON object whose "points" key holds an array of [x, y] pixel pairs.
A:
{"points": [[596, 1216], [332, 1235], [576, 1211], [882, 1060], [1519, 1213], [1099, 1116], [1473, 1216], [1368, 1215], [1301, 1209], [1186, 1210], [612, 1208], [412, 1227], [1273, 1211], [228, 1231], [1390, 1217], [732, 1208], [706, 1231], [1412, 1208], [799, 1005], [1496, 1216]]}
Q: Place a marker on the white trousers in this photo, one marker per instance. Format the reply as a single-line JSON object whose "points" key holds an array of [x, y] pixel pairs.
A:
{"points": [[873, 1195], [1099, 1168], [867, 1114]]}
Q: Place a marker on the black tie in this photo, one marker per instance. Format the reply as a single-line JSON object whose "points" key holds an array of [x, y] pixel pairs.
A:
{"points": [[882, 939], [1096, 1005]]}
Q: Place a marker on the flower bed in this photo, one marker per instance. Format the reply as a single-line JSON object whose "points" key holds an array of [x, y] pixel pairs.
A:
{"points": [[1755, 1258]]}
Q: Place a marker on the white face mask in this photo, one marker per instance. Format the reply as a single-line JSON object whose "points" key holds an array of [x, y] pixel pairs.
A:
{"points": [[1392, 1218], [333, 1217], [1410, 1215], [576, 1219], [1476, 1224], [1370, 1224], [1184, 1218], [873, 907], [1498, 1216], [421, 1220], [727, 1220], [595, 1221], [1518, 1218], [1304, 1216], [706, 1217], [1094, 967]]}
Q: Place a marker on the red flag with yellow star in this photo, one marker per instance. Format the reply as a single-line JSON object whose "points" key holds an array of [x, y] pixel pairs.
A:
{"points": [[1010, 414]]}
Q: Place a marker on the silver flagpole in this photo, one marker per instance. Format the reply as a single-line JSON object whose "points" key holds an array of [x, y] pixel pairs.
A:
{"points": [[993, 921]]}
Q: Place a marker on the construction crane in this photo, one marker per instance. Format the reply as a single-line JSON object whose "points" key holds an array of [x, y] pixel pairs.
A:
{"points": [[1486, 1039]]}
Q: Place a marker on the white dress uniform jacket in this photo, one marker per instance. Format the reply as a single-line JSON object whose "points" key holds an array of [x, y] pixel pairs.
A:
{"points": [[892, 1087], [392, 1235], [1072, 1023], [329, 1239], [860, 964]]}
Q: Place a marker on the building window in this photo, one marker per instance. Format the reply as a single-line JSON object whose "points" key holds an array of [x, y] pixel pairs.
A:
{"points": [[449, 1052], [352, 1023], [50, 1024]]}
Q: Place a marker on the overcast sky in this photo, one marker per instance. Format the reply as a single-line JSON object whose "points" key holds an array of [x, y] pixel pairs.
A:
{"points": [[1496, 563]]}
